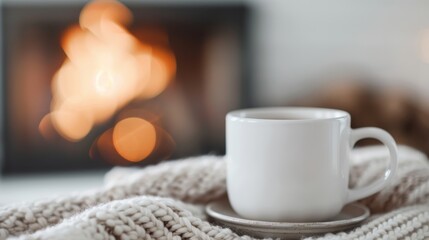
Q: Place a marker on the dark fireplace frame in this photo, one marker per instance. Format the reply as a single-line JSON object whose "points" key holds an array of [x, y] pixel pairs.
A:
{"points": [[207, 14]]}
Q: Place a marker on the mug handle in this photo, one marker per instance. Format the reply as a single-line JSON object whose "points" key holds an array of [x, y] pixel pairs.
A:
{"points": [[389, 142]]}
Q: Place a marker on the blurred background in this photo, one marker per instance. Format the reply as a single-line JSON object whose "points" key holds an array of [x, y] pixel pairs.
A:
{"points": [[91, 85]]}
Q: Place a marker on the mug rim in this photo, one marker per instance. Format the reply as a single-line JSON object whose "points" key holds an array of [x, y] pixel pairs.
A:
{"points": [[325, 114]]}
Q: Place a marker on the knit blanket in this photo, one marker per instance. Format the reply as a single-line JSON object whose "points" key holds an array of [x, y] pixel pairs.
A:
{"points": [[166, 201]]}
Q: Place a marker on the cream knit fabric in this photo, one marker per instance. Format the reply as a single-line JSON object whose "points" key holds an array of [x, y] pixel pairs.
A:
{"points": [[166, 202]]}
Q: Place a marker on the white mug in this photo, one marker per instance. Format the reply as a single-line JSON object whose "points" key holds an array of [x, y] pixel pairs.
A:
{"points": [[292, 164]]}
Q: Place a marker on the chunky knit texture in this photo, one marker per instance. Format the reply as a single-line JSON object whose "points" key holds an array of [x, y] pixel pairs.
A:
{"points": [[166, 201]]}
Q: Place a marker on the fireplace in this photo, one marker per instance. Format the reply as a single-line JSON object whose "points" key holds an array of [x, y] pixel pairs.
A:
{"points": [[203, 50]]}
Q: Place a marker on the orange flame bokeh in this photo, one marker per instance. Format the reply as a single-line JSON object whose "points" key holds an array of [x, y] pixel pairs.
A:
{"points": [[106, 68], [134, 138]]}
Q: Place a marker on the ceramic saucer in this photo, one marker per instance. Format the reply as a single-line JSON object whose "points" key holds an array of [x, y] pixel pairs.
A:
{"points": [[221, 212]]}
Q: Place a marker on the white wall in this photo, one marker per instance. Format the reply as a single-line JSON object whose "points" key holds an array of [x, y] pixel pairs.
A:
{"points": [[298, 40]]}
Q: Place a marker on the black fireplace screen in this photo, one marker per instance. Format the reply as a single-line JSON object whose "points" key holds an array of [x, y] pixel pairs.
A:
{"points": [[210, 65]]}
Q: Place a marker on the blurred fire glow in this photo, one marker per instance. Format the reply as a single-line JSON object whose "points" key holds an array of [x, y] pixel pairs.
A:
{"points": [[134, 138], [105, 69]]}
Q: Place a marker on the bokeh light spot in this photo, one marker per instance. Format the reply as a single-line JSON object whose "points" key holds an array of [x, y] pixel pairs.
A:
{"points": [[70, 125], [134, 138]]}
